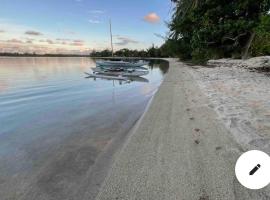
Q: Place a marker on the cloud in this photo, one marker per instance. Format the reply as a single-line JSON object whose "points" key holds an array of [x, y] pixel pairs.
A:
{"points": [[50, 41], [34, 33], [20, 46], [152, 18], [77, 43], [97, 11], [24, 39], [16, 41], [2, 31], [23, 48], [28, 38], [63, 39], [123, 41], [94, 21]]}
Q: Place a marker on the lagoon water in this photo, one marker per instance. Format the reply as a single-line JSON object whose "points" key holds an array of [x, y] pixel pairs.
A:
{"points": [[59, 129]]}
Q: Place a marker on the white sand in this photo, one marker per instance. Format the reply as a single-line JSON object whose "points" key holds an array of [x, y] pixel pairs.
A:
{"points": [[241, 99]]}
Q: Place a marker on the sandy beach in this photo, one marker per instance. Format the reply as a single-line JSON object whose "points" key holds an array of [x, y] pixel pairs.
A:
{"points": [[240, 97], [188, 142], [184, 146]]}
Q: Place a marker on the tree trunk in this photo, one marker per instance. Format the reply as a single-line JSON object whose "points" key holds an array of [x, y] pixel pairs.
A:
{"points": [[246, 49]]}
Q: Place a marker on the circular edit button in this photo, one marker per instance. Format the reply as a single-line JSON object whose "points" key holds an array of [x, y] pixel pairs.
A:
{"points": [[252, 169]]}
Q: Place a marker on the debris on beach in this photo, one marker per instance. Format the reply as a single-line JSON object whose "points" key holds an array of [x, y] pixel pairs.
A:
{"points": [[262, 62], [197, 141]]}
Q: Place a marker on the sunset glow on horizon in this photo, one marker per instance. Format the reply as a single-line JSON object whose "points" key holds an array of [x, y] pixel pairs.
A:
{"points": [[80, 26]]}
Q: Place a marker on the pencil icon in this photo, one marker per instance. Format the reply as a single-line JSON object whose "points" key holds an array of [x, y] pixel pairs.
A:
{"points": [[254, 169]]}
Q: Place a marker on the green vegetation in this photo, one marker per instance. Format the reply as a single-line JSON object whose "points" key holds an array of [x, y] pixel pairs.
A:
{"points": [[209, 29], [261, 43], [151, 52]]}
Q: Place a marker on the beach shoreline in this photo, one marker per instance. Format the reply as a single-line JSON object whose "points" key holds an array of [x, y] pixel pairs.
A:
{"points": [[106, 159], [180, 149]]}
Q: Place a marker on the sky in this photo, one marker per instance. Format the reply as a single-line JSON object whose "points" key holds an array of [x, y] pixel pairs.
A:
{"points": [[80, 26]]}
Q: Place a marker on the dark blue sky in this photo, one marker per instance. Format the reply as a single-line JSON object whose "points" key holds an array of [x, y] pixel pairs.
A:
{"points": [[81, 25]]}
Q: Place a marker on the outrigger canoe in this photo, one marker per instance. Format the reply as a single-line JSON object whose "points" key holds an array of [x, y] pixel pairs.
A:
{"points": [[104, 63]]}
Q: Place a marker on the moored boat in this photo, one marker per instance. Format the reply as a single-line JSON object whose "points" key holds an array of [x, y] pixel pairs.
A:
{"points": [[121, 68], [104, 63]]}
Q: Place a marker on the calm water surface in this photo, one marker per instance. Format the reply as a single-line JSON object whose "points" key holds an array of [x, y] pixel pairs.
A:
{"points": [[55, 123]]}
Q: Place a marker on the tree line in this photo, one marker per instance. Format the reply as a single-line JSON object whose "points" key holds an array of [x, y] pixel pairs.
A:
{"points": [[150, 52], [207, 29]]}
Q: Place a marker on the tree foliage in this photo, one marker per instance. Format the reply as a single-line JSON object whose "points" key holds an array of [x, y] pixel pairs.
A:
{"points": [[261, 43], [150, 52], [217, 28]]}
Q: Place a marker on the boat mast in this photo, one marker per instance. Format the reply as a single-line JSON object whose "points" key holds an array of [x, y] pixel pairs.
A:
{"points": [[111, 36]]}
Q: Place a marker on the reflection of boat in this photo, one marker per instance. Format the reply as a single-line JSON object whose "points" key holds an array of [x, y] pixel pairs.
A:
{"points": [[138, 79], [121, 63], [120, 78], [121, 72]]}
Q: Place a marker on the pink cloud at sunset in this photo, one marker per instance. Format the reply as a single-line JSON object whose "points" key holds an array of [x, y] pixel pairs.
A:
{"points": [[42, 46], [152, 18]]}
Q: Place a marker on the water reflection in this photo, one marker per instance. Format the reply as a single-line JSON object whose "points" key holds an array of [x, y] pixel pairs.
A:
{"points": [[121, 82], [18, 72], [162, 65], [54, 122]]}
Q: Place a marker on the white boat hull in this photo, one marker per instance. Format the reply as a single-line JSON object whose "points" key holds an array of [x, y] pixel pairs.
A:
{"points": [[120, 64]]}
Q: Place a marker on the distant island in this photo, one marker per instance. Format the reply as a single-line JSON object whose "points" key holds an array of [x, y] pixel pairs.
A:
{"points": [[7, 54]]}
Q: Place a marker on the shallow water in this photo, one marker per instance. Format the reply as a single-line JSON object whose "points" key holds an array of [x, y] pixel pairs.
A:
{"points": [[54, 122]]}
